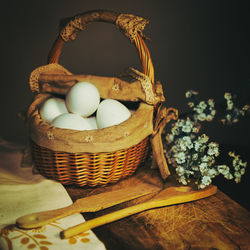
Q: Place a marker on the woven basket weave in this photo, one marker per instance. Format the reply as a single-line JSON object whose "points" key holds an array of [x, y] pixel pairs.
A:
{"points": [[94, 168]]}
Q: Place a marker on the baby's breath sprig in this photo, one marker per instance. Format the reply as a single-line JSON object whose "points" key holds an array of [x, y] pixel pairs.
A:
{"points": [[192, 154], [239, 167], [235, 170], [181, 128], [203, 110], [233, 114]]}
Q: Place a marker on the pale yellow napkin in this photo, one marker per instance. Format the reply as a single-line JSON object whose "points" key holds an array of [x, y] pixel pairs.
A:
{"points": [[22, 192]]}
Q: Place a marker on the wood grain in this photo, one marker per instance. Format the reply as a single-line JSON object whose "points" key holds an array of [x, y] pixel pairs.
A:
{"points": [[216, 222]]}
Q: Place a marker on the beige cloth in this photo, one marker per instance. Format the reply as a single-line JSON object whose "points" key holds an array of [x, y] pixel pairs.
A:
{"points": [[129, 133], [22, 192], [129, 86]]}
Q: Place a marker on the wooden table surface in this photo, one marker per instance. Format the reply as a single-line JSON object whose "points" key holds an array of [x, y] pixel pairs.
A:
{"points": [[216, 222]]}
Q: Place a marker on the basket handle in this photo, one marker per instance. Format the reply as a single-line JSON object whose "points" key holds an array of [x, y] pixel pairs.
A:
{"points": [[130, 25]]}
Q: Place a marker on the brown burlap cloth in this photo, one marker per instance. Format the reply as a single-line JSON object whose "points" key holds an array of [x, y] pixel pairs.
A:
{"points": [[134, 86]]}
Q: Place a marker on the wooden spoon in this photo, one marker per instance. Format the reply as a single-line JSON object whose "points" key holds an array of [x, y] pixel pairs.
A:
{"points": [[88, 204], [168, 196]]}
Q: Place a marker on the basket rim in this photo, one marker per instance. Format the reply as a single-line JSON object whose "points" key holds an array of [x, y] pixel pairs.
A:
{"points": [[123, 135]]}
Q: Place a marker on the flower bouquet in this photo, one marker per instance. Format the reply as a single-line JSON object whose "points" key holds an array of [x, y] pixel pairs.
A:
{"points": [[192, 154]]}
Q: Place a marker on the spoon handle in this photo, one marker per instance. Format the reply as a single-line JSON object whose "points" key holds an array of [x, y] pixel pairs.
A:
{"points": [[42, 218], [99, 221]]}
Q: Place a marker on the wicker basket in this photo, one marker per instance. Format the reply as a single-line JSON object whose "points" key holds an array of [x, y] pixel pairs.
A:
{"points": [[93, 168]]}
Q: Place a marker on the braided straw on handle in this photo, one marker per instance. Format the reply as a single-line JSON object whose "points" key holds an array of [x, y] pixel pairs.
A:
{"points": [[130, 25]]}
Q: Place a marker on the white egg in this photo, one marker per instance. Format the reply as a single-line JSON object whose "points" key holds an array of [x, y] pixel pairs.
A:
{"points": [[83, 98], [92, 122], [52, 108], [111, 112], [71, 121]]}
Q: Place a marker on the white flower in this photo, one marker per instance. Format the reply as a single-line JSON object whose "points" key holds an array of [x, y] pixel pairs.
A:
{"points": [[180, 170], [212, 172], [225, 171], [206, 180], [222, 168], [211, 161], [205, 158], [190, 93], [187, 141], [195, 130], [230, 104], [184, 143], [189, 122], [182, 180], [208, 159], [189, 172], [213, 112], [232, 154], [228, 117], [202, 186], [237, 168], [171, 137], [195, 168], [175, 130], [181, 145], [227, 96], [213, 149], [209, 117], [242, 171], [174, 149], [228, 176], [203, 138], [180, 157], [235, 120], [202, 105], [200, 143], [198, 110], [197, 146], [237, 177], [190, 104], [195, 156], [210, 102], [202, 117], [187, 128], [246, 108], [203, 167]]}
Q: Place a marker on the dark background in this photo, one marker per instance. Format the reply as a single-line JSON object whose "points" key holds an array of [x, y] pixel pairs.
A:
{"points": [[200, 45]]}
